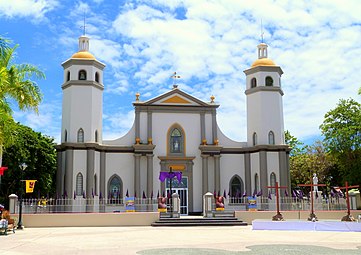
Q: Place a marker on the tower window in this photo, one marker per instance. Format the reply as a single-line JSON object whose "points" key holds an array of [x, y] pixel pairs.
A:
{"points": [[96, 76], [273, 182], [80, 137], [254, 139], [253, 83], [269, 81], [65, 135], [96, 136], [68, 76], [271, 137], [82, 75], [79, 184]]}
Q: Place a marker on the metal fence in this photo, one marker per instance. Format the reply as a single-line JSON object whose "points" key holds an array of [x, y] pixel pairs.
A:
{"points": [[96, 205]]}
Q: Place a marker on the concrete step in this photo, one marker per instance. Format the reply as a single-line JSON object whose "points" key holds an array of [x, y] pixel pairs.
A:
{"points": [[223, 221]]}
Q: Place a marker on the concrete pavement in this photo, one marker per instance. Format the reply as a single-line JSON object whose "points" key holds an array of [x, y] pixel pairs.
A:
{"points": [[177, 240]]}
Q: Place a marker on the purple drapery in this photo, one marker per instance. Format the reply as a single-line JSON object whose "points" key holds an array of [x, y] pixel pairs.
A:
{"points": [[170, 175]]}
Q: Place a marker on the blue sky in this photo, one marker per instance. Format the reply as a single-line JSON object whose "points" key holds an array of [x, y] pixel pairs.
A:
{"points": [[209, 43]]}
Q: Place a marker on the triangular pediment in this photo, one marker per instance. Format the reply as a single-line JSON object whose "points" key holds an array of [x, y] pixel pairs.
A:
{"points": [[176, 100], [176, 97]]}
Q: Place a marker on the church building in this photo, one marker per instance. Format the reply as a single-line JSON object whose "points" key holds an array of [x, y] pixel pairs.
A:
{"points": [[174, 131]]}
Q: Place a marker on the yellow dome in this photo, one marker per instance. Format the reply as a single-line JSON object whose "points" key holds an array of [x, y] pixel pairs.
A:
{"points": [[263, 62], [83, 54]]}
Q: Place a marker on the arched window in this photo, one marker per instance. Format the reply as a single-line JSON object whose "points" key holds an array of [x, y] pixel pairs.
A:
{"points": [[273, 182], [96, 76], [176, 140], [236, 187], [82, 75], [95, 185], [253, 83], [80, 135], [96, 136], [79, 184], [269, 81], [68, 76], [256, 183], [271, 137], [254, 137], [115, 190], [65, 135]]}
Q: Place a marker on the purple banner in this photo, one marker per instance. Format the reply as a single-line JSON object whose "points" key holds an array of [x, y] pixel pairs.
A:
{"points": [[170, 175]]}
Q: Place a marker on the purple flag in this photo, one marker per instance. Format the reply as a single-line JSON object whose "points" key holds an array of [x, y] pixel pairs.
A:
{"points": [[294, 194], [127, 194], [163, 193], [259, 193], [74, 195], [332, 193], [229, 193], [224, 194], [269, 195], [144, 196], [286, 193], [84, 194], [151, 195], [244, 194], [92, 192], [170, 175], [158, 194], [340, 194], [168, 194], [214, 193], [254, 193], [65, 194], [100, 195], [135, 194]]}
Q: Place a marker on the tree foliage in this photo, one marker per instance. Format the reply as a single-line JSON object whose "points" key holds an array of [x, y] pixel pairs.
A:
{"points": [[342, 131], [38, 152]]}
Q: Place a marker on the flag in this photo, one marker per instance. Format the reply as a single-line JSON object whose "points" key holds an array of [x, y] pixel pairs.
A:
{"points": [[219, 193], [144, 196], [294, 194], [332, 193], [286, 193], [151, 195], [163, 195], [259, 193], [30, 184], [229, 193], [100, 195], [214, 193], [2, 169], [316, 194], [224, 194], [84, 194], [65, 194], [92, 192], [74, 195], [254, 193], [158, 194], [127, 194], [135, 194], [269, 195], [244, 194]]}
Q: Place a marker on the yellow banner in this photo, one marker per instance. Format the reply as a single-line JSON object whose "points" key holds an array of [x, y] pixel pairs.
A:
{"points": [[30, 186]]}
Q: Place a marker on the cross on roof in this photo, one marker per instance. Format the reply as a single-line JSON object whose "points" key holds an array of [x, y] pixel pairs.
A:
{"points": [[175, 77], [84, 26]]}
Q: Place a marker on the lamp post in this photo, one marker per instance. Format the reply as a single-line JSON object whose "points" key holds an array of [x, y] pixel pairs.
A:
{"points": [[23, 166]]}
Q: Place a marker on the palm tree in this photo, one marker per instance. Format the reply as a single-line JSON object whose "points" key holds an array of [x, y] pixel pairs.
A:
{"points": [[15, 84]]}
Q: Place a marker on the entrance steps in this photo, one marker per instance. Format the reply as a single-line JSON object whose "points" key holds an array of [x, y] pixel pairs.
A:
{"points": [[198, 221]]}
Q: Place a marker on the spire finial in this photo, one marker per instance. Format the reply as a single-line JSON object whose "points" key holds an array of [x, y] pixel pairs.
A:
{"points": [[262, 33], [84, 26], [175, 77]]}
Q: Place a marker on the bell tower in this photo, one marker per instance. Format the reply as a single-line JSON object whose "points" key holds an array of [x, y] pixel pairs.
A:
{"points": [[82, 97], [265, 124]]}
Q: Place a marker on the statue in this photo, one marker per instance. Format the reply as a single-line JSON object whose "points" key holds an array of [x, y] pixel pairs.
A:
{"points": [[315, 182]]}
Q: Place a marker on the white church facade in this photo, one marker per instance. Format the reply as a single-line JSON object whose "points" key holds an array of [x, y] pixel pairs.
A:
{"points": [[173, 131]]}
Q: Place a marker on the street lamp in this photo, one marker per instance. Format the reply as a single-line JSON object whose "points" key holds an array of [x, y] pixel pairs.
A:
{"points": [[23, 166]]}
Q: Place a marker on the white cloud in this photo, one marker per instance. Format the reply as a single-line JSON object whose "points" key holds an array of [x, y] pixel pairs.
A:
{"points": [[26, 8]]}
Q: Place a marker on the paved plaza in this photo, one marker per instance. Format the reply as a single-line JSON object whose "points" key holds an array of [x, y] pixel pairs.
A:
{"points": [[177, 240]]}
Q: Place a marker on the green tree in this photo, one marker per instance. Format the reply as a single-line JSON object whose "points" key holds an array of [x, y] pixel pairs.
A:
{"points": [[342, 131], [39, 153], [16, 85]]}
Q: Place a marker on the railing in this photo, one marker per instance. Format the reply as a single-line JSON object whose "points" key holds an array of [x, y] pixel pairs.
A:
{"points": [[96, 205]]}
